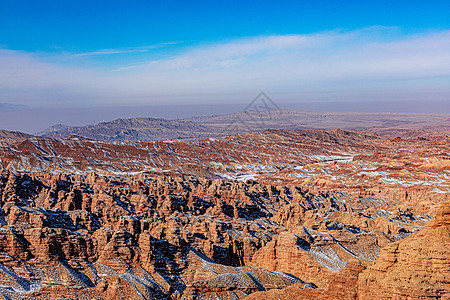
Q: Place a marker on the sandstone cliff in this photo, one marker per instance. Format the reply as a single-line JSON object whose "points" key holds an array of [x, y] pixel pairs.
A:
{"points": [[417, 267]]}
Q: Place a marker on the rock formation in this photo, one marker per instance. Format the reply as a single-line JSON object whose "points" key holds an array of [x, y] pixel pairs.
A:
{"points": [[282, 213], [417, 267]]}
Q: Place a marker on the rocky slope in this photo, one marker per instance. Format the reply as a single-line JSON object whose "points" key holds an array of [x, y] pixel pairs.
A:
{"points": [[299, 213], [11, 137], [417, 267]]}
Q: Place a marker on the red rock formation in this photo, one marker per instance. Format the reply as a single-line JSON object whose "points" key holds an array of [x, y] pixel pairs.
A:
{"points": [[138, 220], [342, 285], [417, 267]]}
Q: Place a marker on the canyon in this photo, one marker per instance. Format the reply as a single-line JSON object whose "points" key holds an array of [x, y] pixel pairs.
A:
{"points": [[275, 213]]}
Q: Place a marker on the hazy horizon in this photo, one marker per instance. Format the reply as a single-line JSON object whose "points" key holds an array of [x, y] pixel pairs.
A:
{"points": [[38, 119]]}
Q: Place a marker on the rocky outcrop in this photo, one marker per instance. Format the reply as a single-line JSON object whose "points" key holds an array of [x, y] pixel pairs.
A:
{"points": [[417, 267], [342, 285]]}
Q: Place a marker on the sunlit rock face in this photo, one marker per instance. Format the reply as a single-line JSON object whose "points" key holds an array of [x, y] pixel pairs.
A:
{"points": [[417, 267], [279, 213]]}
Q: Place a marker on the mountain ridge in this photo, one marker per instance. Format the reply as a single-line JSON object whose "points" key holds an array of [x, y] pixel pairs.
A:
{"points": [[196, 128], [121, 129]]}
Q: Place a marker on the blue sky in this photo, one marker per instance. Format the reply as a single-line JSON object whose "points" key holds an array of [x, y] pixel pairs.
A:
{"points": [[115, 53], [80, 26]]}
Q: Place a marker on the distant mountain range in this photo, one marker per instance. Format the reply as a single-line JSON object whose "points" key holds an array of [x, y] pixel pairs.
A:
{"points": [[135, 129], [197, 128]]}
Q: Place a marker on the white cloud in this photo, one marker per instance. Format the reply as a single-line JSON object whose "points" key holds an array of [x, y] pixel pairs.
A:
{"points": [[126, 50], [367, 63]]}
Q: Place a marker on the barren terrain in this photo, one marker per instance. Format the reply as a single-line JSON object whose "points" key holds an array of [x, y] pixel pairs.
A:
{"points": [[278, 213]]}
